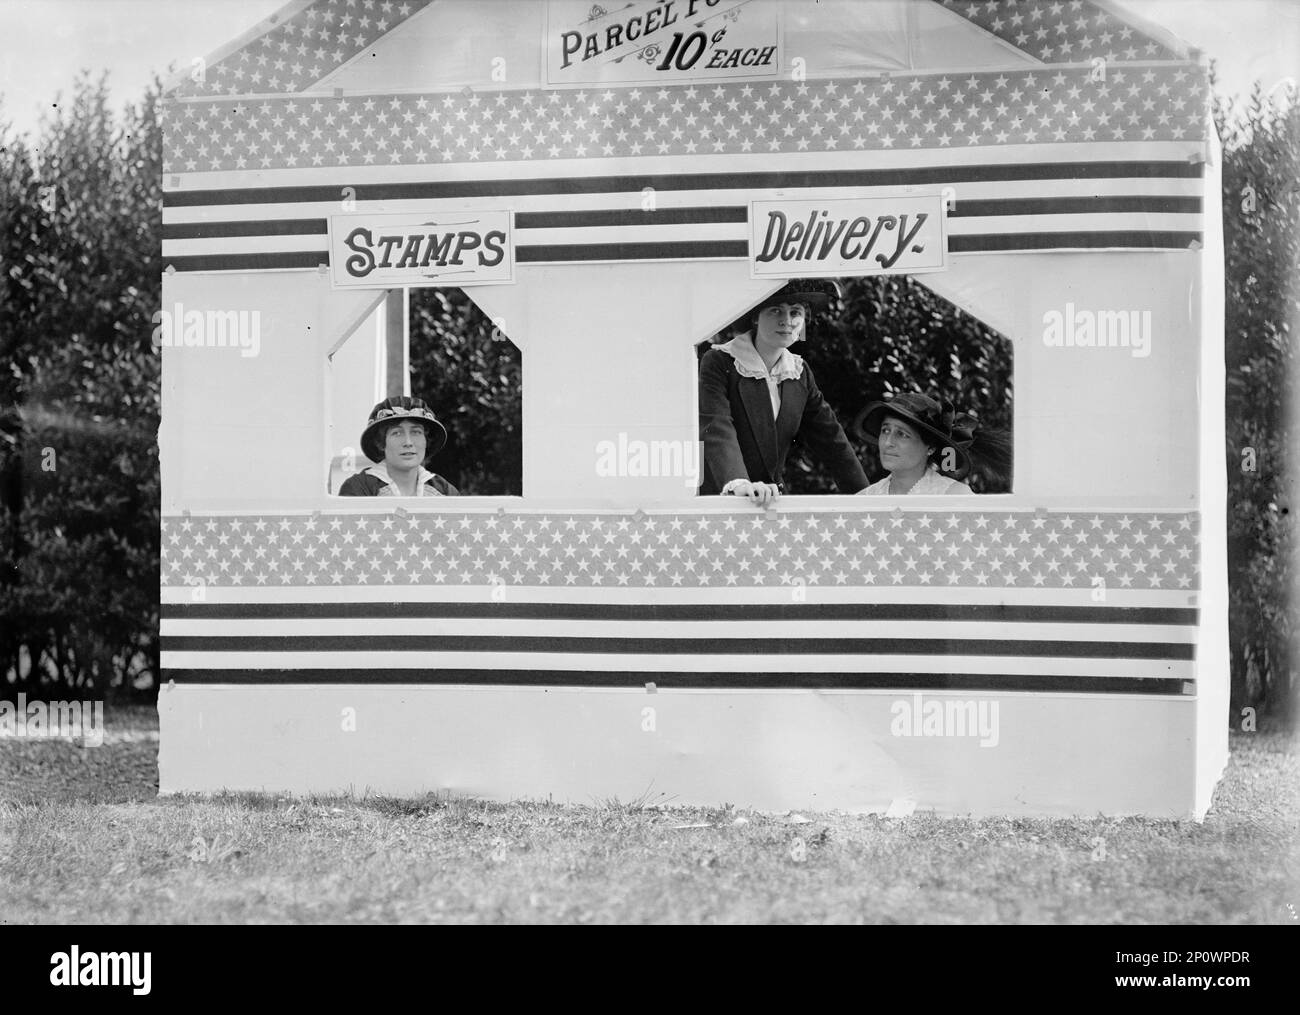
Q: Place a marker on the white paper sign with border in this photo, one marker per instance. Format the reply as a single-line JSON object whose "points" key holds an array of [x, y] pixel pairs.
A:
{"points": [[660, 41], [845, 237], [443, 248]]}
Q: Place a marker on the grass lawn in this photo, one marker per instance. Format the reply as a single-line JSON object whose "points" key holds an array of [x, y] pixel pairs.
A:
{"points": [[84, 839]]}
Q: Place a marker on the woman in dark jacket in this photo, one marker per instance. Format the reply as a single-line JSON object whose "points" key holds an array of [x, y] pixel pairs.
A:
{"points": [[757, 398], [401, 435]]}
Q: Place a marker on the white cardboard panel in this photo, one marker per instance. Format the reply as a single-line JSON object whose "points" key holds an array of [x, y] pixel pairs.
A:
{"points": [[771, 750]]}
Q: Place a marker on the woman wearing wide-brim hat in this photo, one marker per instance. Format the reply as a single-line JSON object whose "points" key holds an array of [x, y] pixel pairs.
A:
{"points": [[401, 435], [757, 398], [928, 447]]}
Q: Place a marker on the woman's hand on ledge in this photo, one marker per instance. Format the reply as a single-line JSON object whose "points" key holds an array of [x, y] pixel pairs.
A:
{"points": [[759, 494]]}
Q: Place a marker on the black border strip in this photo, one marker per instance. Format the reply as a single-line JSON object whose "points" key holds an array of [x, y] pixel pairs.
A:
{"points": [[609, 217], [1102, 204], [1174, 239], [688, 250], [904, 683], [992, 613], [685, 250], [245, 227], [678, 646], [1178, 169], [248, 262]]}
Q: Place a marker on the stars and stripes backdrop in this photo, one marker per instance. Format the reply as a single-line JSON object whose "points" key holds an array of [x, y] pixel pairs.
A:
{"points": [[1105, 150], [1037, 160], [982, 601]]}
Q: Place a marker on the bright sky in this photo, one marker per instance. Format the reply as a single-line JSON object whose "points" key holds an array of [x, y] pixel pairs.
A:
{"points": [[45, 42]]}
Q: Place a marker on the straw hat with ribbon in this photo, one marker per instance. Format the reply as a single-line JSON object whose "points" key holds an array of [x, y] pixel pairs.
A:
{"points": [[400, 409]]}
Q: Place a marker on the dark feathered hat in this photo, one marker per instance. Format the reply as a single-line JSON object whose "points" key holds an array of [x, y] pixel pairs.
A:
{"points": [[816, 292], [937, 420]]}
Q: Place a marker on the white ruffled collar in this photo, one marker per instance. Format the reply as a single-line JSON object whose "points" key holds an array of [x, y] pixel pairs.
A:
{"points": [[390, 488], [789, 367]]}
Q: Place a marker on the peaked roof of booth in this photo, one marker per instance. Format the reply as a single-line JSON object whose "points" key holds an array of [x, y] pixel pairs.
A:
{"points": [[298, 45], [1074, 31], [307, 40]]}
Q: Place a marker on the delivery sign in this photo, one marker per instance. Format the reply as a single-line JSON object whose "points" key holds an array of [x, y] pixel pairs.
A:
{"points": [[853, 236]]}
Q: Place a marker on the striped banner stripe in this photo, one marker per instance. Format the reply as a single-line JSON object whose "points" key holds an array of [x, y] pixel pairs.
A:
{"points": [[1077, 203], [537, 222], [678, 646], [595, 630], [596, 253], [918, 645], [560, 663], [692, 613], [737, 214], [567, 186], [676, 680]]}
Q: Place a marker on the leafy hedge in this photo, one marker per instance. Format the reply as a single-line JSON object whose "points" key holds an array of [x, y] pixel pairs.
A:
{"points": [[470, 373], [80, 227], [1261, 217]]}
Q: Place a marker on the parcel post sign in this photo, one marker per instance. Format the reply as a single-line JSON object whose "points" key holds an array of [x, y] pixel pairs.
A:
{"points": [[447, 248], [852, 236], [661, 40]]}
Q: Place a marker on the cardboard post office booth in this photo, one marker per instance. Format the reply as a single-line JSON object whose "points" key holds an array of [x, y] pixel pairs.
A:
{"points": [[612, 184]]}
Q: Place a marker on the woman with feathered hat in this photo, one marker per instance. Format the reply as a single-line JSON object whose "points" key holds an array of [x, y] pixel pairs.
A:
{"points": [[927, 446], [401, 435], [757, 398]]}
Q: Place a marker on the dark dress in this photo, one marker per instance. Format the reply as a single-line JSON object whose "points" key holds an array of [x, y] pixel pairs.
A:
{"points": [[363, 484], [742, 441]]}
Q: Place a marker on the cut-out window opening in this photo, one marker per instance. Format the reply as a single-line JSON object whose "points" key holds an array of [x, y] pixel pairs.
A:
{"points": [[888, 335], [436, 345]]}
